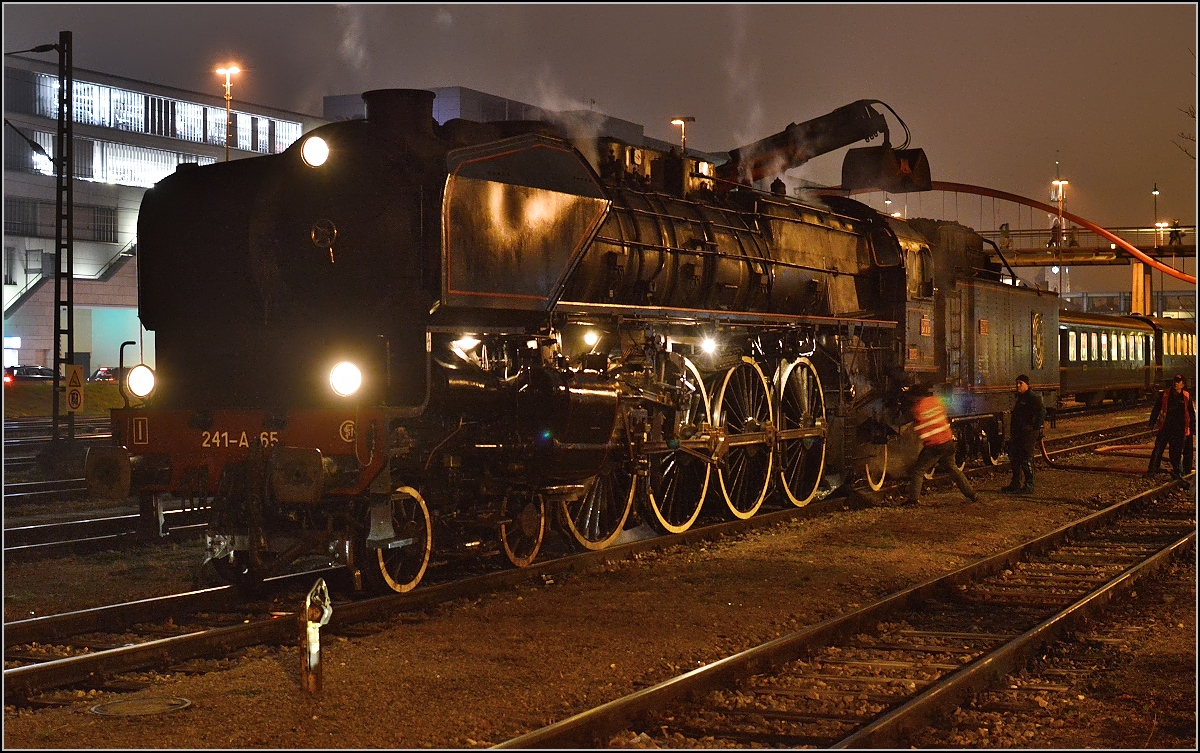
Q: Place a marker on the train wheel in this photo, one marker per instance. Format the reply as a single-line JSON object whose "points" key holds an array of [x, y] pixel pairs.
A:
{"points": [[961, 451], [993, 447], [800, 439], [678, 478], [875, 470], [522, 526], [597, 518], [400, 564], [743, 408]]}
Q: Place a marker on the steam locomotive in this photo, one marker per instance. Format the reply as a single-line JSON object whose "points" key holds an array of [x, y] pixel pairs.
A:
{"points": [[399, 337]]}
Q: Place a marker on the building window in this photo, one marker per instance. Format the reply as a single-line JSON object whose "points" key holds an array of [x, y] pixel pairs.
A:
{"points": [[106, 106], [10, 265]]}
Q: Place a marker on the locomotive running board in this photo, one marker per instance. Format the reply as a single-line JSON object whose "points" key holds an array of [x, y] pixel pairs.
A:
{"points": [[707, 316]]}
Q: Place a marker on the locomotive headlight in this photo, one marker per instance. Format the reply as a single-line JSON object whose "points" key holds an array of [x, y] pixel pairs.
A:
{"points": [[709, 345], [140, 380], [591, 338], [345, 379], [315, 151]]}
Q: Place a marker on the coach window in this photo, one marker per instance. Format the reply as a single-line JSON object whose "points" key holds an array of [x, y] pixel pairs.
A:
{"points": [[1083, 348], [1141, 355], [1103, 346], [1095, 347], [1113, 343], [1124, 348], [1071, 346]]}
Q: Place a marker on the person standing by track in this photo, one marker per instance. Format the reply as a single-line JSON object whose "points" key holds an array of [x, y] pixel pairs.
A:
{"points": [[1172, 417], [1028, 417], [939, 447]]}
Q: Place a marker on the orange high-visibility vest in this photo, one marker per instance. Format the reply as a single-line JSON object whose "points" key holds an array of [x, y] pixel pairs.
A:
{"points": [[932, 426]]}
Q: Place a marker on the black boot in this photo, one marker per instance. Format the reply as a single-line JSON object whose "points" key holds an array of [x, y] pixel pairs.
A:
{"points": [[1028, 488], [1014, 486]]}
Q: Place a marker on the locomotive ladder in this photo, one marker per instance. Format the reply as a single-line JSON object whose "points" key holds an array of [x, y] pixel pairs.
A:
{"points": [[954, 336]]}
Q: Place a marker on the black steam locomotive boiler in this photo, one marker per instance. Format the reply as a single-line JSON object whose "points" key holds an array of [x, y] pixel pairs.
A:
{"points": [[399, 336]]}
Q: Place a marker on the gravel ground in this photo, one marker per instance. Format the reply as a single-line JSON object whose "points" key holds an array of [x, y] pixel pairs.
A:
{"points": [[475, 672]]}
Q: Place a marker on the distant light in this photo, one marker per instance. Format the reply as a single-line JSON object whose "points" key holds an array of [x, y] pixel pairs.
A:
{"points": [[1054, 270], [229, 71], [315, 151], [1113, 246], [897, 215], [709, 345], [591, 338]]}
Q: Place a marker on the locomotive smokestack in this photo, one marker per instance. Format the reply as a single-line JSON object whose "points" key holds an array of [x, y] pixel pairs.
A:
{"points": [[401, 110]]}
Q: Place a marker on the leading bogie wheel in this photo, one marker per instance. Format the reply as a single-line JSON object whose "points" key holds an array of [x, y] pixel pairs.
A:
{"points": [[743, 410], [678, 474], [397, 562], [522, 526], [800, 435]]}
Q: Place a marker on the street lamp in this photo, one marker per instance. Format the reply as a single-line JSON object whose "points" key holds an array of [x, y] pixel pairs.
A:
{"points": [[227, 72], [682, 123]]}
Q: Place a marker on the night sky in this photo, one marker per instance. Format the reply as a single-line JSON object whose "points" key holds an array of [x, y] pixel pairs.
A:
{"points": [[993, 94]]}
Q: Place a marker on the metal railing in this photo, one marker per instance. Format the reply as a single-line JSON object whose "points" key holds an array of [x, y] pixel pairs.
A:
{"points": [[32, 279], [1140, 237]]}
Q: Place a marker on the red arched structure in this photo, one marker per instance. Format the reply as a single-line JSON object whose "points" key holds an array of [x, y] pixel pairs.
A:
{"points": [[939, 185]]}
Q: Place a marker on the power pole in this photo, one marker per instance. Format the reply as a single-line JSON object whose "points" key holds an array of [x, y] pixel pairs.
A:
{"points": [[64, 245]]}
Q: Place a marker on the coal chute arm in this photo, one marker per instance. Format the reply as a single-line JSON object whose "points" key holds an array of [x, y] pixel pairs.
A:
{"points": [[800, 142]]}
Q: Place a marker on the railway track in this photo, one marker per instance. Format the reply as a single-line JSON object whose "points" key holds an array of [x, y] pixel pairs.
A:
{"points": [[868, 678], [90, 659], [116, 531], [92, 535]]}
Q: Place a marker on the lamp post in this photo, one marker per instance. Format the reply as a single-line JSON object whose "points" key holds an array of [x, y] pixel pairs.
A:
{"points": [[227, 72], [1060, 190], [682, 123]]}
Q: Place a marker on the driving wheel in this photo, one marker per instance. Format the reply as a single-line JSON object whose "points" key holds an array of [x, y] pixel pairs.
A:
{"points": [[743, 409], [800, 438]]}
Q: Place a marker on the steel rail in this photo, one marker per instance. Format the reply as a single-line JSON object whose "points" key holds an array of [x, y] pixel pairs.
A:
{"points": [[22, 682], [587, 728]]}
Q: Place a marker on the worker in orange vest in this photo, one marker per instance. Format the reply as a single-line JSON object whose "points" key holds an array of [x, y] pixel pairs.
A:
{"points": [[939, 449]]}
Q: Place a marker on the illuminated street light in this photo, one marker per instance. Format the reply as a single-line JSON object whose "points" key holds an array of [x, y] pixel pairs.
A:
{"points": [[227, 72], [682, 123]]}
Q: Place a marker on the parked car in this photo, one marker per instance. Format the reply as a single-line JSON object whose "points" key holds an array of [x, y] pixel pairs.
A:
{"points": [[104, 374], [27, 374]]}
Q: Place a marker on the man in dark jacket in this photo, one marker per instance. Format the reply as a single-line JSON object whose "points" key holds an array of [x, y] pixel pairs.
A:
{"points": [[1172, 417], [1028, 416]]}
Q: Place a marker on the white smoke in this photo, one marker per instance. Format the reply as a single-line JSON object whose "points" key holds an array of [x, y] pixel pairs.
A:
{"points": [[354, 28], [443, 18], [582, 124], [742, 84]]}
